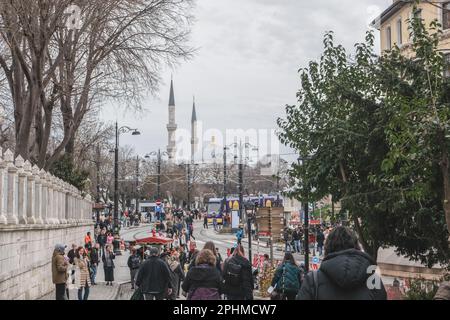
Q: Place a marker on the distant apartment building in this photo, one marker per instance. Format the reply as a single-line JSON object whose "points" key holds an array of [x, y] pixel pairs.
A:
{"points": [[393, 23]]}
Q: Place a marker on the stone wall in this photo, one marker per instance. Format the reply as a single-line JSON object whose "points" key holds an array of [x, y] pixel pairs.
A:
{"points": [[37, 211]]}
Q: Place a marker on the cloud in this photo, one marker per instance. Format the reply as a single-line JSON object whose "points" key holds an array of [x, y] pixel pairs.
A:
{"points": [[246, 69]]}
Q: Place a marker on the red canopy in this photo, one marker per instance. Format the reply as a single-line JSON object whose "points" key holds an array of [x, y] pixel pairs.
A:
{"points": [[154, 240]]}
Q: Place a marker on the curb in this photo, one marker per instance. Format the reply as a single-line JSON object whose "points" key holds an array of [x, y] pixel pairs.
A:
{"points": [[119, 289]]}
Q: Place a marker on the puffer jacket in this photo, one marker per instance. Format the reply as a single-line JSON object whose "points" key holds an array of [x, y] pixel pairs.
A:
{"points": [[245, 290], [342, 276], [203, 283], [287, 278], [59, 268]]}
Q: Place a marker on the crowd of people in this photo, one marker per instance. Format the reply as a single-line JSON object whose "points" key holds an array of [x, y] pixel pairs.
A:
{"points": [[77, 269], [167, 273]]}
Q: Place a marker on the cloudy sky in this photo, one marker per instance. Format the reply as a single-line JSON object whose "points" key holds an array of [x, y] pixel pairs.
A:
{"points": [[245, 71]]}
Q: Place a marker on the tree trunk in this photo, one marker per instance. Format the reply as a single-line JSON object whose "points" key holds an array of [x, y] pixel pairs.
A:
{"points": [[446, 186]]}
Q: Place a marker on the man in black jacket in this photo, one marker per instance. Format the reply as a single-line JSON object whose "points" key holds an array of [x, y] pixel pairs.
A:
{"points": [[71, 255], [153, 277], [238, 276], [344, 273], [102, 241], [94, 262]]}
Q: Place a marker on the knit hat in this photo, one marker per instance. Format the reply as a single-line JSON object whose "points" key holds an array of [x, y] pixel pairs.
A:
{"points": [[60, 247]]}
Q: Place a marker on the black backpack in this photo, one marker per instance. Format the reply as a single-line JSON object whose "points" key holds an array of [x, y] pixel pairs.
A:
{"points": [[135, 262], [232, 274]]}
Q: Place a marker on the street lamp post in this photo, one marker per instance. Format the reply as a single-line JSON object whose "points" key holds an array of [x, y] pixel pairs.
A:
{"points": [[159, 156], [116, 183]]}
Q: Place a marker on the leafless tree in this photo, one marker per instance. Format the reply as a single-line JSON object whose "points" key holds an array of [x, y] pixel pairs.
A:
{"points": [[53, 71]]}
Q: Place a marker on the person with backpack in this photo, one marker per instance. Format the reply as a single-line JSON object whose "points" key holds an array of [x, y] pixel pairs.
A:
{"points": [[153, 278], [343, 273], [238, 276], [287, 279], [203, 281], [134, 263]]}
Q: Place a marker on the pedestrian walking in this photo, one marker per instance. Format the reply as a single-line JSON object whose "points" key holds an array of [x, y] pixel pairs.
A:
{"points": [[176, 274], [71, 255], [320, 241], [102, 241], [205, 222], [134, 263], [238, 276], [88, 241], [83, 281], [296, 236], [109, 239], [215, 223], [203, 282], [240, 234], [287, 240], [211, 246], [94, 258], [60, 265], [343, 273], [287, 279], [153, 278], [108, 265], [183, 256]]}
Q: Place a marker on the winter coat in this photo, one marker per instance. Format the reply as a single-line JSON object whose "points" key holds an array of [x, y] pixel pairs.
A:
{"points": [[93, 255], [83, 276], [59, 268], [112, 256], [134, 262], [245, 289], [296, 236], [203, 283], [102, 239], [176, 276], [320, 239], [342, 276], [287, 278], [153, 276]]}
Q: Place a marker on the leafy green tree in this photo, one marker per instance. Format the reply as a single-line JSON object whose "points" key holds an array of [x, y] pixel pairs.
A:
{"points": [[64, 169], [350, 127], [417, 97]]}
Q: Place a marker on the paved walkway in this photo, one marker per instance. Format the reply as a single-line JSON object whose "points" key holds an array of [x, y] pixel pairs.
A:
{"points": [[101, 291]]}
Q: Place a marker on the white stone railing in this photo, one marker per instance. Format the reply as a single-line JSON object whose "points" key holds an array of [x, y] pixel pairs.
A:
{"points": [[31, 196]]}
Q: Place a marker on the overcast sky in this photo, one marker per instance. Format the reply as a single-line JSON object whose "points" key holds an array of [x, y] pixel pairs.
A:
{"points": [[245, 71]]}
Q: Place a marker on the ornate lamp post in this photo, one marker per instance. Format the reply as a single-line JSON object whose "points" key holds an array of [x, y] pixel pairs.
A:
{"points": [[119, 131]]}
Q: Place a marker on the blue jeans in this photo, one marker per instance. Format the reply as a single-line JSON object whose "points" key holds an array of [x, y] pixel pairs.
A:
{"points": [[286, 245], [320, 248], [94, 273], [297, 246], [86, 293]]}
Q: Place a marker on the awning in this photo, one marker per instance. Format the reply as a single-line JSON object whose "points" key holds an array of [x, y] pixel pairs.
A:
{"points": [[154, 241]]}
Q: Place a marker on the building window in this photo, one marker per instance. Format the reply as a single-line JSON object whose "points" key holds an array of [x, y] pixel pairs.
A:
{"points": [[447, 66], [388, 38], [399, 32], [446, 15]]}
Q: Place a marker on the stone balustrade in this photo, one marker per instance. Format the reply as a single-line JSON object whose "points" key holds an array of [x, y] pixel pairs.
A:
{"points": [[37, 211], [29, 196]]}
